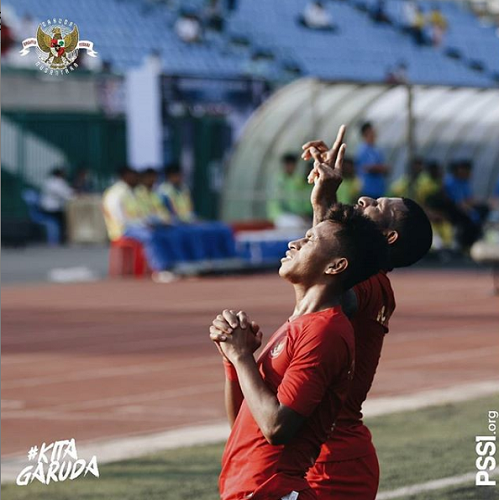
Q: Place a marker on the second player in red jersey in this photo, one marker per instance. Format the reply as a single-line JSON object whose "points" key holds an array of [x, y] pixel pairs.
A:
{"points": [[293, 392], [347, 467]]}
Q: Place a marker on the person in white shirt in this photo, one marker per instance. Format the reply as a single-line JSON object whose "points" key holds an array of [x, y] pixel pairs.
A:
{"points": [[56, 192], [188, 28], [316, 16]]}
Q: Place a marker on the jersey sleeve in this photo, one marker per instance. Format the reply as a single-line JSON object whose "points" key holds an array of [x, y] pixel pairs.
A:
{"points": [[319, 356]]}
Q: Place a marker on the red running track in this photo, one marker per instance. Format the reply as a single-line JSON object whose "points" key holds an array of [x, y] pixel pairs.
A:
{"points": [[117, 358]]}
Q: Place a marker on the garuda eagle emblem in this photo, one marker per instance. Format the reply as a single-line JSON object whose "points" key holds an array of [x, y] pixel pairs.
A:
{"points": [[61, 52]]}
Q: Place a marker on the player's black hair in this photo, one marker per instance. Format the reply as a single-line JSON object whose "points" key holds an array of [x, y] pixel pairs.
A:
{"points": [[289, 158], [149, 171], [415, 235], [362, 243], [365, 127]]}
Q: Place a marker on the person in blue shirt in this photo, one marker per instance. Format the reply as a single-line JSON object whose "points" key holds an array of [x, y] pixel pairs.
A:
{"points": [[467, 214], [370, 164], [457, 184]]}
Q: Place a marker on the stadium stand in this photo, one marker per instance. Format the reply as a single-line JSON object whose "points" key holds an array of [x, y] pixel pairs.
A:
{"points": [[126, 31]]}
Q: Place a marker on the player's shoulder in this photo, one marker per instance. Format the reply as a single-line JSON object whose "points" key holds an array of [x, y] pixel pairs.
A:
{"points": [[329, 323]]}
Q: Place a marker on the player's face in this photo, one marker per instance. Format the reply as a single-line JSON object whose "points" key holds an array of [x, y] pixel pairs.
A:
{"points": [[383, 211], [308, 258]]}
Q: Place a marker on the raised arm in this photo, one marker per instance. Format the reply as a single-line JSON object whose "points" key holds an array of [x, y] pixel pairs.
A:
{"points": [[326, 174]]}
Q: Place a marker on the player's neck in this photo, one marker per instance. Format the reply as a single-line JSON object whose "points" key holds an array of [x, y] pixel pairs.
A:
{"points": [[315, 298]]}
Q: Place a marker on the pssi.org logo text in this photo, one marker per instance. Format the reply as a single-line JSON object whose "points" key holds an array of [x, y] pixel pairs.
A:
{"points": [[486, 449]]}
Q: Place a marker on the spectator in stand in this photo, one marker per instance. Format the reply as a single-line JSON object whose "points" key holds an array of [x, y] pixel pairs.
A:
{"points": [[418, 26], [231, 5], [370, 164], [286, 207], [438, 24], [317, 17], [379, 14], [398, 75], [349, 190], [56, 193], [127, 216], [213, 15], [409, 7], [213, 240], [188, 28]]}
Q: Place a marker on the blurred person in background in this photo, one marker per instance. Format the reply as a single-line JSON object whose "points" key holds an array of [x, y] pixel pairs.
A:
{"points": [[317, 17], [213, 15], [349, 190], [55, 194], [464, 211], [286, 207], [127, 216], [379, 14], [188, 28], [418, 26], [406, 185], [83, 182], [212, 240], [186, 244], [494, 202], [398, 74], [438, 24], [370, 163], [458, 187], [431, 195]]}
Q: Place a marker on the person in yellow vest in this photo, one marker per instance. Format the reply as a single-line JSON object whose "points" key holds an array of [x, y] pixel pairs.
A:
{"points": [[152, 206], [438, 24], [286, 206], [215, 240], [120, 205], [349, 190], [126, 217], [176, 195], [418, 26], [406, 186], [430, 194]]}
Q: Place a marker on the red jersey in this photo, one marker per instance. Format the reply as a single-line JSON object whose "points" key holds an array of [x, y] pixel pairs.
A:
{"points": [[376, 303], [308, 364]]}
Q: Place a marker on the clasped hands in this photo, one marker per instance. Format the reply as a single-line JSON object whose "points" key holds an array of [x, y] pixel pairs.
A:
{"points": [[235, 336]]}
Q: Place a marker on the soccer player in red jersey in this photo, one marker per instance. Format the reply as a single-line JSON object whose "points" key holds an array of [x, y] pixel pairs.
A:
{"points": [[287, 400], [347, 467]]}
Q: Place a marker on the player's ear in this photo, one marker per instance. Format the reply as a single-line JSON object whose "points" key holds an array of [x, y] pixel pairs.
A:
{"points": [[391, 236], [337, 266]]}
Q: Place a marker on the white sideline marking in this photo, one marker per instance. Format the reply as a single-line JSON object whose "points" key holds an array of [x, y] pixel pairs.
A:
{"points": [[131, 447], [455, 394], [437, 484], [136, 446]]}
